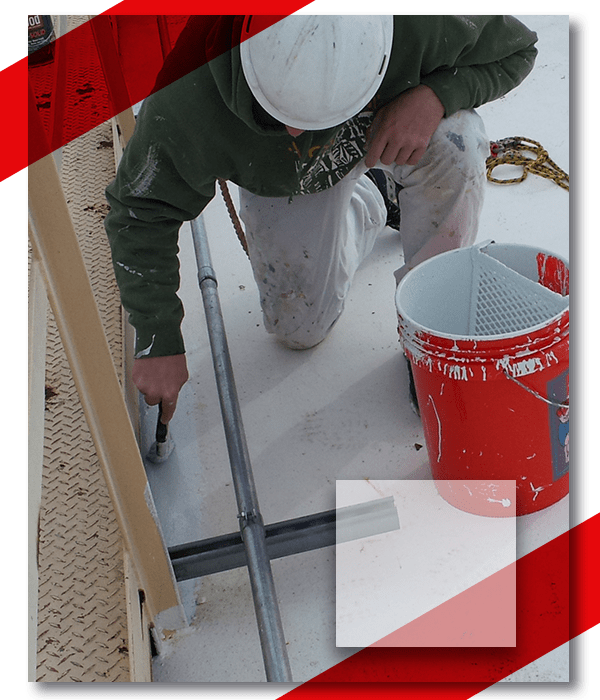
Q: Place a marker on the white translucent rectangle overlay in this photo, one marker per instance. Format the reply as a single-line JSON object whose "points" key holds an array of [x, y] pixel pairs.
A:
{"points": [[445, 578]]}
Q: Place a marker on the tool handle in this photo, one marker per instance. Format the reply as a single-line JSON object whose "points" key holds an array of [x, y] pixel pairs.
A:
{"points": [[162, 430]]}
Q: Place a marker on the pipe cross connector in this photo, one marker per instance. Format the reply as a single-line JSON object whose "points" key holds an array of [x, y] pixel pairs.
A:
{"points": [[247, 517]]}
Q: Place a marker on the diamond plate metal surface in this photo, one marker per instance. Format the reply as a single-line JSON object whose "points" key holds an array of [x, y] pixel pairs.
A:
{"points": [[82, 618]]}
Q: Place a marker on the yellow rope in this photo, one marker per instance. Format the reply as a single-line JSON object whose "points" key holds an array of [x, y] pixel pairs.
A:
{"points": [[529, 155]]}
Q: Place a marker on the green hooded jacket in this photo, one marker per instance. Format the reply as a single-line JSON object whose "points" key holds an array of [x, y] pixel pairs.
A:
{"points": [[207, 125]]}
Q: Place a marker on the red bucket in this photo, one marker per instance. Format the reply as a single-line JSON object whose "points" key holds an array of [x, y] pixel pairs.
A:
{"points": [[486, 330]]}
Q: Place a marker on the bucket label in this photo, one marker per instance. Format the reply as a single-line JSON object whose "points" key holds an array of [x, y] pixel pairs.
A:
{"points": [[558, 393]]}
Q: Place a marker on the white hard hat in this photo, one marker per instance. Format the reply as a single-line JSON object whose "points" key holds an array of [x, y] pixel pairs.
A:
{"points": [[316, 71]]}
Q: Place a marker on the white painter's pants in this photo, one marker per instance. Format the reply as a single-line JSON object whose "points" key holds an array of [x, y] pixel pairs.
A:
{"points": [[304, 253]]}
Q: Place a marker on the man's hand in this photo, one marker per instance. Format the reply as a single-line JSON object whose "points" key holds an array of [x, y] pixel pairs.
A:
{"points": [[160, 379], [401, 130]]}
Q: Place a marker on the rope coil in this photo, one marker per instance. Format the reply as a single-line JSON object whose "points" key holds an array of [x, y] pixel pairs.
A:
{"points": [[529, 155]]}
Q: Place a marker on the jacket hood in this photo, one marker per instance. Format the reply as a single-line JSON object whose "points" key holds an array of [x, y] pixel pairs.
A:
{"points": [[211, 43], [228, 75]]}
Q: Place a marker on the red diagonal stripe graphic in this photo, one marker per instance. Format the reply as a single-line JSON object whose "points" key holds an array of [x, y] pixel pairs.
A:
{"points": [[545, 620], [110, 63], [481, 616]]}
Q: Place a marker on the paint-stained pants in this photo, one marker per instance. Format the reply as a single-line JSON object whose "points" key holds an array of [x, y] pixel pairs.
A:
{"points": [[304, 253]]}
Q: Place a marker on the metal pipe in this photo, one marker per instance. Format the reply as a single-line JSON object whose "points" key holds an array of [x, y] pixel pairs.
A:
{"points": [[285, 538], [270, 628]]}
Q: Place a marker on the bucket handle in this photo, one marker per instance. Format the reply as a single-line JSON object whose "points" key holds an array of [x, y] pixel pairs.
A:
{"points": [[535, 393]]}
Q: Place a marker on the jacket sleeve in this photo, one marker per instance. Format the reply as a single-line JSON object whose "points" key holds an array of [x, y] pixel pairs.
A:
{"points": [[151, 196], [497, 54]]}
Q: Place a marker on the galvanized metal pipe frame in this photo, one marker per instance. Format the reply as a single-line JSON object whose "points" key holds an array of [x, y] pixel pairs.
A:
{"points": [[270, 628], [285, 538]]}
